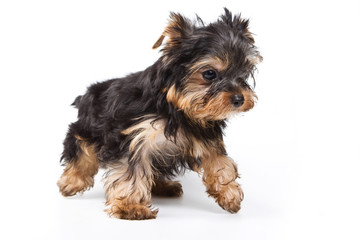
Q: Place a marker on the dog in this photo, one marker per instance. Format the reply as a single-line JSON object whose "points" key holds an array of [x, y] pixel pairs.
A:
{"points": [[152, 125]]}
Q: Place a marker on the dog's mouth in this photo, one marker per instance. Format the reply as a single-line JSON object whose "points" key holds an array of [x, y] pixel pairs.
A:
{"points": [[222, 105]]}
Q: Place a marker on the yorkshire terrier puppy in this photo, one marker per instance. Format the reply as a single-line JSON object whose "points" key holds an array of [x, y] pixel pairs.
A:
{"points": [[152, 125]]}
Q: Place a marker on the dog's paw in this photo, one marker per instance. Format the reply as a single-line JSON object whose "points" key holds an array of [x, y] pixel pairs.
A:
{"points": [[168, 189], [69, 185], [132, 211], [230, 197]]}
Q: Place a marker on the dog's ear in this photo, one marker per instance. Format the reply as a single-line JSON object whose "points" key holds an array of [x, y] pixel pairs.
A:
{"points": [[237, 22], [178, 28], [254, 58]]}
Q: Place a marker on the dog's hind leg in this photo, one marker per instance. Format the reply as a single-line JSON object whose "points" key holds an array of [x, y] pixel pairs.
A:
{"points": [[81, 165], [167, 188]]}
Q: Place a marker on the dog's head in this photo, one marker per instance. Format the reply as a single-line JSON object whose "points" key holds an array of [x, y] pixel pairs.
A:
{"points": [[205, 68]]}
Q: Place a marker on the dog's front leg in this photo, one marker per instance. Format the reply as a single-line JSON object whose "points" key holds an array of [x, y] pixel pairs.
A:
{"points": [[219, 175], [128, 190]]}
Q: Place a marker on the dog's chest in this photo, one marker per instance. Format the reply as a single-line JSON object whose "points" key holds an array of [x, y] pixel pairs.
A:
{"points": [[148, 136]]}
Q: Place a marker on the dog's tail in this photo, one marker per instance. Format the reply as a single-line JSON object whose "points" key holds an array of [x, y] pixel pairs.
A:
{"points": [[77, 101]]}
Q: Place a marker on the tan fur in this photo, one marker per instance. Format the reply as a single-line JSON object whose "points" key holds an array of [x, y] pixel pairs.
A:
{"points": [[198, 149], [219, 175], [210, 62], [149, 136], [171, 31], [79, 174], [250, 100], [120, 183], [191, 99], [128, 194], [149, 140], [145, 133], [218, 107], [132, 211], [167, 188], [159, 42]]}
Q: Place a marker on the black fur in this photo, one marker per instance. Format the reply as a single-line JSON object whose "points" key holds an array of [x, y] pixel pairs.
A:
{"points": [[112, 106]]}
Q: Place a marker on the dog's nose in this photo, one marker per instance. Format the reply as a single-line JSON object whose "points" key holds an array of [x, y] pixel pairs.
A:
{"points": [[237, 100]]}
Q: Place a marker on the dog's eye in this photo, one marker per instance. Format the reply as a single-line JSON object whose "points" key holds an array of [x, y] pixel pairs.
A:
{"points": [[209, 75]]}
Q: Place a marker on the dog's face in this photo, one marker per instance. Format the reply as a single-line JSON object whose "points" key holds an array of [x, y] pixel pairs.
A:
{"points": [[208, 66]]}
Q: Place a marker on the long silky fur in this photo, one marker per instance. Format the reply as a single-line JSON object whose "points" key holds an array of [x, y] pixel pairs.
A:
{"points": [[110, 107]]}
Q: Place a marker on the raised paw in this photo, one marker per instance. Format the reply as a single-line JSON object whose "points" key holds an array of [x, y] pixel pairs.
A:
{"points": [[230, 197], [167, 189], [132, 211]]}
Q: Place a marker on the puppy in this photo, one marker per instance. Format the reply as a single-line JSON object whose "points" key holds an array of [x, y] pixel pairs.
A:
{"points": [[152, 125]]}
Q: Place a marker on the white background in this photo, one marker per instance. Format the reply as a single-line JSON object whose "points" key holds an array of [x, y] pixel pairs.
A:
{"points": [[298, 151]]}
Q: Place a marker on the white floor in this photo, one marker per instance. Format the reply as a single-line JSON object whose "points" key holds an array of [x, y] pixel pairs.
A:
{"points": [[298, 151]]}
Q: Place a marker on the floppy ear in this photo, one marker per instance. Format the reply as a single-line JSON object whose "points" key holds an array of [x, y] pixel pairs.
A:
{"points": [[178, 28]]}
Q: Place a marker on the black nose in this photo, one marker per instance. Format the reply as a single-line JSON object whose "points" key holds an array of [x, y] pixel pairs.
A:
{"points": [[237, 100]]}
